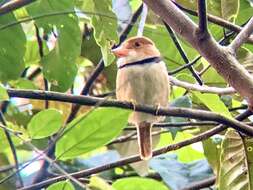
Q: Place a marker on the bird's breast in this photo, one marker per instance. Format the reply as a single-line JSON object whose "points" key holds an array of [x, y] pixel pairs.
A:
{"points": [[142, 83]]}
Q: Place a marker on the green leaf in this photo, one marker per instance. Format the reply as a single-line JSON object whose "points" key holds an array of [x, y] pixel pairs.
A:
{"points": [[236, 163], [138, 183], [245, 12], [3, 93], [62, 185], [23, 84], [227, 9], [32, 56], [97, 183], [12, 49], [185, 154], [16, 140], [59, 64], [213, 102], [45, 123], [212, 149], [91, 131], [245, 57], [105, 27], [211, 77]]}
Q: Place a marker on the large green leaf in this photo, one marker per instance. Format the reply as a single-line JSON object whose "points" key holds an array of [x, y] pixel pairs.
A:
{"points": [[105, 26], [45, 123], [236, 163], [91, 131], [138, 183], [12, 49], [227, 9], [245, 12], [62, 185], [59, 64], [213, 102], [186, 154], [212, 149]]}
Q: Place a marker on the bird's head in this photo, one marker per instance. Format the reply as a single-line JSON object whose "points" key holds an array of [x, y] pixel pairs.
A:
{"points": [[135, 49]]}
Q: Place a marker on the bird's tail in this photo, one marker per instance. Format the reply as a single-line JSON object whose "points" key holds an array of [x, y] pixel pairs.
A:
{"points": [[144, 140]]}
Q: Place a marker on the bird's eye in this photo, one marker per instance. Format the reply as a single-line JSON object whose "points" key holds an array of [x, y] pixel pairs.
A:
{"points": [[137, 44]]}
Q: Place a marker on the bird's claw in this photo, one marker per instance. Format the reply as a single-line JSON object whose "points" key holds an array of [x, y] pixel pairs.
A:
{"points": [[157, 109], [133, 102]]}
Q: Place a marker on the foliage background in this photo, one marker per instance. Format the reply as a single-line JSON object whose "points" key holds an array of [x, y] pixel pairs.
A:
{"points": [[56, 45]]}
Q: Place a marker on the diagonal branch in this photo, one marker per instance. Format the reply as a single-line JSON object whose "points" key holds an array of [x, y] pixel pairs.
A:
{"points": [[92, 101], [13, 5], [182, 53], [242, 37], [136, 158], [207, 89], [202, 16], [13, 149], [128, 160]]}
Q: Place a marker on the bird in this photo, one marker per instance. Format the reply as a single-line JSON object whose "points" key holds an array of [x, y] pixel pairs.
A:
{"points": [[142, 78]]}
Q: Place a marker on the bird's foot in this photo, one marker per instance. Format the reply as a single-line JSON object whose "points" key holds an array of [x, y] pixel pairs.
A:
{"points": [[158, 108], [133, 102]]}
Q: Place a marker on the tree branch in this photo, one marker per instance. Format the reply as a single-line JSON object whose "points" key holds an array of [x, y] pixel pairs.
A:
{"points": [[92, 101], [207, 89], [182, 53], [216, 20], [142, 20], [242, 37], [13, 5], [184, 66], [13, 150], [201, 184], [218, 56], [202, 16], [135, 158]]}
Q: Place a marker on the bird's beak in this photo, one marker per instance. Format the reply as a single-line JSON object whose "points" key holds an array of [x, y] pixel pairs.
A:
{"points": [[120, 52]]}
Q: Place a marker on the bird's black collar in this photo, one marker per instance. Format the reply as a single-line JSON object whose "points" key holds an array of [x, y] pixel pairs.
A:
{"points": [[142, 62]]}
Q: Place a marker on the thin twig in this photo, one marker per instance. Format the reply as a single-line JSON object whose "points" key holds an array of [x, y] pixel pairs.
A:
{"points": [[45, 156], [181, 124], [54, 164], [201, 184], [202, 16], [182, 53], [187, 65], [13, 149], [142, 20], [242, 37], [207, 89], [13, 5], [216, 20], [41, 53]]}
